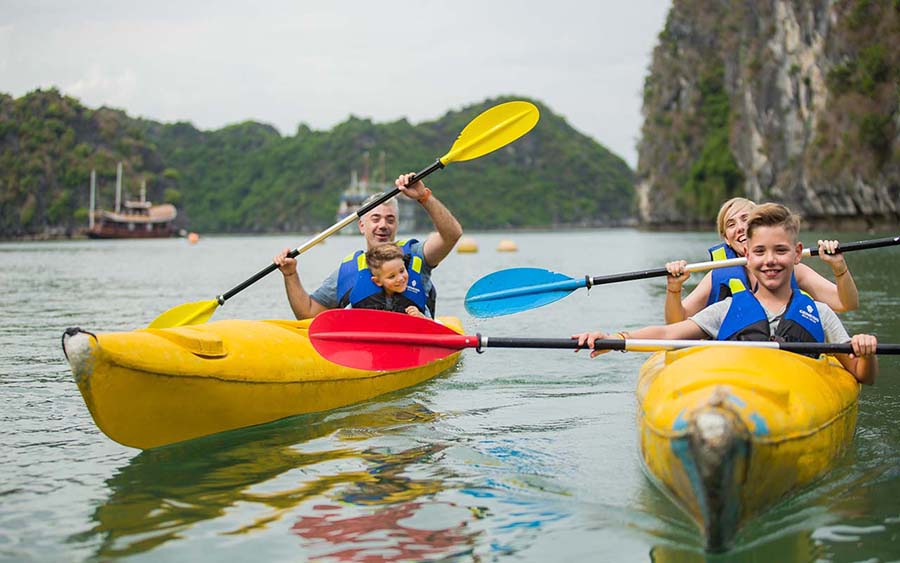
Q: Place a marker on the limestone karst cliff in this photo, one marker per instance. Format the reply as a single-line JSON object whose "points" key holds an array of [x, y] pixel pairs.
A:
{"points": [[779, 100]]}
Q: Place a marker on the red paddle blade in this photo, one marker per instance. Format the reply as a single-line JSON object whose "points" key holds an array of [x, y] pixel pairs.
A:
{"points": [[383, 341]]}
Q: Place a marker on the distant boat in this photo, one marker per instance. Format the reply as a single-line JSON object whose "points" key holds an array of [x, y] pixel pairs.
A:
{"points": [[133, 219], [358, 190], [355, 194]]}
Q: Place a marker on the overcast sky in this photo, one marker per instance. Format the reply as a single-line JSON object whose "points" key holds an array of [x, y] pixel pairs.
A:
{"points": [[317, 62]]}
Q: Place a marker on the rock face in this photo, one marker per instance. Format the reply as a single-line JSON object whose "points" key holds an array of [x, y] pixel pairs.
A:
{"points": [[794, 101]]}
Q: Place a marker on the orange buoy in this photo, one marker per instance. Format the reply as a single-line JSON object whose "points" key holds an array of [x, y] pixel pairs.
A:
{"points": [[507, 245], [193, 238], [466, 245]]}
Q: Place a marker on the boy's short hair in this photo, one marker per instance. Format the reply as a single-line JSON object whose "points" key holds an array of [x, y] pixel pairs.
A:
{"points": [[376, 257], [773, 215], [739, 202]]}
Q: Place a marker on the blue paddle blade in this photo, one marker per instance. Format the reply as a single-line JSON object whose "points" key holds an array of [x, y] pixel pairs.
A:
{"points": [[516, 290]]}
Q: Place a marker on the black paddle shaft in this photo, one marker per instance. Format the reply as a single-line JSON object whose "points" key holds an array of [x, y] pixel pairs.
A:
{"points": [[437, 165], [619, 344], [660, 272], [555, 343], [861, 245]]}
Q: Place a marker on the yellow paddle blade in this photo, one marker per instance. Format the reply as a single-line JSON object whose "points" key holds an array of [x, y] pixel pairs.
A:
{"points": [[194, 313], [492, 129]]}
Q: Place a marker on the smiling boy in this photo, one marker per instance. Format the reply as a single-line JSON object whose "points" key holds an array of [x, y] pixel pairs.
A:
{"points": [[387, 264], [776, 311]]}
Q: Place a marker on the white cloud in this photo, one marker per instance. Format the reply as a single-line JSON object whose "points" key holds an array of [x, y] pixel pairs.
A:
{"points": [[215, 63], [116, 89], [6, 32]]}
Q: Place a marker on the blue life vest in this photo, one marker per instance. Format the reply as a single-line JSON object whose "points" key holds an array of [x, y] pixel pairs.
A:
{"points": [[728, 281], [746, 320], [356, 288], [725, 281]]}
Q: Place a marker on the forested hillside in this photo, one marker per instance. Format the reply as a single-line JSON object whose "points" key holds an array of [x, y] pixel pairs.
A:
{"points": [[249, 178]]}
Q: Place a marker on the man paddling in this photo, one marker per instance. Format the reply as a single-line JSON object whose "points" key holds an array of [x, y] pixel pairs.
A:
{"points": [[347, 282], [777, 311]]}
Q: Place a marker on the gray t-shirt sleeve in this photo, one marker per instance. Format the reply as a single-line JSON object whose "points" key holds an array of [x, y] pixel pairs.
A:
{"points": [[710, 319], [832, 325], [326, 295]]}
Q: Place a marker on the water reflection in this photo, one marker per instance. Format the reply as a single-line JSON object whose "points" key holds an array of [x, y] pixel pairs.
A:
{"points": [[796, 548], [807, 527], [163, 493], [394, 533], [784, 534]]}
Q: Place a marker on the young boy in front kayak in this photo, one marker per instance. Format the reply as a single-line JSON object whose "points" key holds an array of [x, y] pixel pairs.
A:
{"points": [[388, 266], [776, 311]]}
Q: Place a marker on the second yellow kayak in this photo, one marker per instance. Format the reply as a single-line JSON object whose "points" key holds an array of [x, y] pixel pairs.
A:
{"points": [[728, 432]]}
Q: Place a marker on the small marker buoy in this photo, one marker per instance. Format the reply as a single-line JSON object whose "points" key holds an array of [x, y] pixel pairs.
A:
{"points": [[466, 245], [507, 245], [193, 238]]}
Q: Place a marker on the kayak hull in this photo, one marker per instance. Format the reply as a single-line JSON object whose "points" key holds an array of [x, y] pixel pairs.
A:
{"points": [[727, 432], [152, 387]]}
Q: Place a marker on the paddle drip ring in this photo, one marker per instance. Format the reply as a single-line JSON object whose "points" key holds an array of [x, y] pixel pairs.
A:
{"points": [[478, 348]]}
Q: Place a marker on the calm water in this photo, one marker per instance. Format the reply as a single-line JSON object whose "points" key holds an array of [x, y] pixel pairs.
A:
{"points": [[516, 455]]}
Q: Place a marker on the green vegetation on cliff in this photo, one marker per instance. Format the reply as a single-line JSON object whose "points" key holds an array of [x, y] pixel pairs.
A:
{"points": [[714, 176], [865, 91], [248, 178]]}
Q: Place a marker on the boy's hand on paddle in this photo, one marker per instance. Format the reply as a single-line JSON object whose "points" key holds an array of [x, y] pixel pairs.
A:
{"points": [[586, 340], [864, 345]]}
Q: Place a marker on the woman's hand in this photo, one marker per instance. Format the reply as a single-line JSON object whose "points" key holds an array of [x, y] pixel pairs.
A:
{"points": [[677, 275], [828, 252]]}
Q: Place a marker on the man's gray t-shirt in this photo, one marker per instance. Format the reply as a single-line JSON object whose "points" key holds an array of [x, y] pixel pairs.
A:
{"points": [[710, 320], [327, 295]]}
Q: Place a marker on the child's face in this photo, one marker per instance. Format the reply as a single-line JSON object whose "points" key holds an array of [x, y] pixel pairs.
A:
{"points": [[736, 228], [772, 254], [391, 276]]}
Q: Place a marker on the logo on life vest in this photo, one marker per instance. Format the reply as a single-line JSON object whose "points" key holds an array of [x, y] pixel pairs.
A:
{"points": [[808, 314]]}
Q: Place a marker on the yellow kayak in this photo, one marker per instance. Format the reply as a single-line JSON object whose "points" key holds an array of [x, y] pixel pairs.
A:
{"points": [[153, 387], [727, 432]]}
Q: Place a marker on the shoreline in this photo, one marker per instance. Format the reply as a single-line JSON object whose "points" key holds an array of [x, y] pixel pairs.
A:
{"points": [[837, 224]]}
